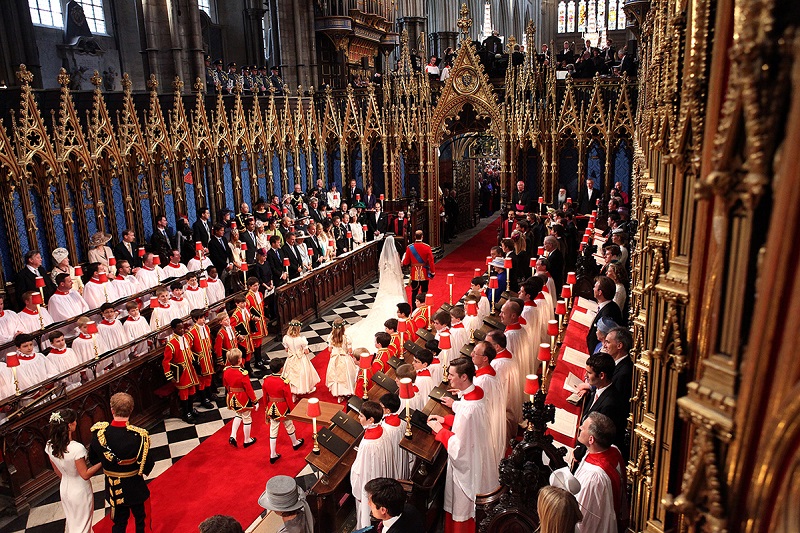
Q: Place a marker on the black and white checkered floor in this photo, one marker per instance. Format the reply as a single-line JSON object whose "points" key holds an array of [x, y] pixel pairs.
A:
{"points": [[172, 439]]}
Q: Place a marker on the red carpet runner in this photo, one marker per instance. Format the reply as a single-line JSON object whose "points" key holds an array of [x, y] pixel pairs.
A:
{"points": [[215, 478]]}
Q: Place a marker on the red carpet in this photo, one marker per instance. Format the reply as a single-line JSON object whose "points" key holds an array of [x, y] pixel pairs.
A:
{"points": [[462, 262], [215, 478]]}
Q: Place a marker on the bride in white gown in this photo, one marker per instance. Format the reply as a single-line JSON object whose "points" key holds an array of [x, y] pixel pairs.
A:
{"points": [[391, 292]]}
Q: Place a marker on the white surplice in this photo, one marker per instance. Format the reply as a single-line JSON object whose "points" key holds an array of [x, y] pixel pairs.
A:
{"points": [[215, 291], [516, 339], [96, 293], [175, 270], [114, 335], [66, 305], [196, 264], [375, 458], [136, 329], [195, 297], [150, 277], [394, 429], [63, 361], [493, 391], [9, 326], [507, 370], [33, 369]]}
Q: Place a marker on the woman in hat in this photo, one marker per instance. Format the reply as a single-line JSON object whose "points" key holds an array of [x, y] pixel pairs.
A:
{"points": [[262, 238], [100, 253], [284, 498], [61, 260], [260, 211]]}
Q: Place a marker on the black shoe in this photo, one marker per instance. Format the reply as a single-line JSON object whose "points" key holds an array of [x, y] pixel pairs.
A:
{"points": [[272, 460], [232, 442], [260, 365], [190, 418], [250, 442], [298, 445], [205, 402], [195, 413]]}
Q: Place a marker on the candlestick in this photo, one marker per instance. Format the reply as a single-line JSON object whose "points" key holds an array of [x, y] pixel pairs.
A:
{"points": [[315, 449]]}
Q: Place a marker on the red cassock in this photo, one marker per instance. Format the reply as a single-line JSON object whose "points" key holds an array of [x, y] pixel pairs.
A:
{"points": [[178, 360], [395, 349], [200, 342], [255, 304], [278, 396], [239, 392], [359, 390], [240, 320], [421, 317], [226, 340], [381, 361], [418, 272]]}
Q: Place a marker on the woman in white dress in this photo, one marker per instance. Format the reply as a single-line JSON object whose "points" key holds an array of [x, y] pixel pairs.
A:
{"points": [[342, 370], [298, 370], [69, 463], [617, 273], [391, 292]]}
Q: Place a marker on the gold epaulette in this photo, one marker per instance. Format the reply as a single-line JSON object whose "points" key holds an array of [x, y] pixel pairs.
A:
{"points": [[99, 425], [285, 380], [136, 429], [243, 371]]}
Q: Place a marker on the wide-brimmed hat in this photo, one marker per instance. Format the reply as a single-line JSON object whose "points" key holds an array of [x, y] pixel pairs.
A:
{"points": [[282, 494], [99, 239], [497, 262], [563, 479], [300, 234]]}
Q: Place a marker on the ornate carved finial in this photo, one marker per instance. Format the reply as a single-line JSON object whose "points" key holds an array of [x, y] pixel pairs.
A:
{"points": [[198, 85], [126, 82], [24, 76], [63, 77], [512, 41], [464, 20], [152, 83], [177, 84], [96, 79]]}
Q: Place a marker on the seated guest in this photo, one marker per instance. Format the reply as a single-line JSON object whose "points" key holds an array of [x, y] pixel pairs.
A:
{"points": [[128, 250], [62, 266], [100, 253], [387, 499], [124, 283], [175, 269], [136, 326], [63, 359], [66, 303], [601, 474], [10, 325], [25, 279], [374, 458], [98, 290], [283, 497]]}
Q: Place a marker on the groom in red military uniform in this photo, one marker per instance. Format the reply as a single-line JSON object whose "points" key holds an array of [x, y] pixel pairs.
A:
{"points": [[420, 257]]}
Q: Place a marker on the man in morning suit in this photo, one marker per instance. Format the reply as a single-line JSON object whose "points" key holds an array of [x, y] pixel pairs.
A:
{"points": [[201, 229], [275, 260], [313, 243], [26, 278], [587, 198], [351, 192], [604, 289], [617, 344], [248, 235], [387, 502], [420, 257], [292, 251], [603, 397], [555, 260], [124, 451], [128, 250], [377, 222], [161, 240], [218, 250]]}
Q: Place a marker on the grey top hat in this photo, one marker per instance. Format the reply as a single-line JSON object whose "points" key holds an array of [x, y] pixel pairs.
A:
{"points": [[282, 494]]}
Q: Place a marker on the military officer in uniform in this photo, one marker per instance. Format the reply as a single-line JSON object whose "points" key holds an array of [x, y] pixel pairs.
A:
{"points": [[233, 79], [247, 80], [276, 81], [263, 80], [123, 450], [220, 77]]}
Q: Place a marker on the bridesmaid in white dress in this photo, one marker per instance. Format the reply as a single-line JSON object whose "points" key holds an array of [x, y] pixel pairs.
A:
{"points": [[298, 370], [68, 458], [342, 369]]}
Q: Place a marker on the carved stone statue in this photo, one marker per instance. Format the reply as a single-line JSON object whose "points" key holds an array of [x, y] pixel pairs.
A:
{"points": [[109, 79]]}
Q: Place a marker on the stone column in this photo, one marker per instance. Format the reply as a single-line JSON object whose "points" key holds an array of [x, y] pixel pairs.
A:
{"points": [[18, 44]]}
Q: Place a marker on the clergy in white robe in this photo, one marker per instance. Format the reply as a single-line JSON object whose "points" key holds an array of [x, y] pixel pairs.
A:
{"points": [[601, 474], [374, 458], [175, 269], [494, 394], [64, 359], [507, 371], [9, 323], [65, 305], [33, 320], [215, 290], [471, 467], [97, 292], [136, 326], [149, 277]]}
